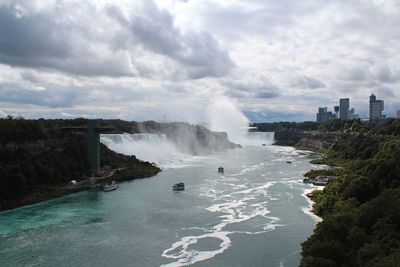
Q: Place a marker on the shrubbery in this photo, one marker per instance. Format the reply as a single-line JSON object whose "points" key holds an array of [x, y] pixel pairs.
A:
{"points": [[361, 213]]}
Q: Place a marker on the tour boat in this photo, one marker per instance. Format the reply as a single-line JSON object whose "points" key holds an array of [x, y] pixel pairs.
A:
{"points": [[110, 186], [220, 170], [178, 187]]}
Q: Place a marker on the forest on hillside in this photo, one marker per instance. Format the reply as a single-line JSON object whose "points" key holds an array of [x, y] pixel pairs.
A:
{"points": [[360, 210], [37, 156]]}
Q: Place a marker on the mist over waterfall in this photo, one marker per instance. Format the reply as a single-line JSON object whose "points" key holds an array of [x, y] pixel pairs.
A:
{"points": [[171, 144], [259, 138], [154, 148], [225, 116]]}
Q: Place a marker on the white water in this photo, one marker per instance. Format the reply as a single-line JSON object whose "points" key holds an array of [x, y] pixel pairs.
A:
{"points": [[154, 148], [255, 214], [157, 148], [258, 138]]}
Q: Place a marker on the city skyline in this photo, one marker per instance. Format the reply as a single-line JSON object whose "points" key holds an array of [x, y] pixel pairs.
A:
{"points": [[146, 60], [345, 112]]}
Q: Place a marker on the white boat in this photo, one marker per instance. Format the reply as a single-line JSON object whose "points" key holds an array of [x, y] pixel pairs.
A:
{"points": [[110, 186], [178, 187]]}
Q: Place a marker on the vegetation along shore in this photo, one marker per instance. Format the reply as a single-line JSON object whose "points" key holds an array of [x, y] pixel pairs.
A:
{"points": [[360, 209], [40, 158]]}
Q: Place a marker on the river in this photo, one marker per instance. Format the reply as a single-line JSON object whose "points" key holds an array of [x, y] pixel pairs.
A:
{"points": [[255, 214]]}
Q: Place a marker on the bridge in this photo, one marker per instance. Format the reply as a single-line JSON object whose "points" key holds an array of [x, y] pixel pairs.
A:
{"points": [[93, 130]]}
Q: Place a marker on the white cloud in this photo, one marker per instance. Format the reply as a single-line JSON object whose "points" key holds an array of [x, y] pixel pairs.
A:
{"points": [[149, 58]]}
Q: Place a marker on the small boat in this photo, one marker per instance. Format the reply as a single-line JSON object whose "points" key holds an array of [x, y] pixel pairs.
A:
{"points": [[288, 162], [307, 180], [220, 170], [110, 186], [264, 144], [178, 187]]}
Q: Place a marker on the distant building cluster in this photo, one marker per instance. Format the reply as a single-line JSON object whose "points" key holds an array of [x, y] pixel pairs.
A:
{"points": [[375, 109], [344, 112]]}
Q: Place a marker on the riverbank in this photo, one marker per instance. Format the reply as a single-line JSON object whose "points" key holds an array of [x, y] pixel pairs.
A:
{"points": [[39, 170], [38, 158], [135, 170], [360, 208]]}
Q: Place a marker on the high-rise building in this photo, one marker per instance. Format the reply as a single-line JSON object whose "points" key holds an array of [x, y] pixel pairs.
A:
{"points": [[344, 105], [352, 114], [336, 109], [324, 115], [375, 109], [398, 114]]}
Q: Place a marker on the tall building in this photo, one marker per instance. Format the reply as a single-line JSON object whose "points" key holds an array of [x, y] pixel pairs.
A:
{"points": [[344, 105], [375, 109], [398, 114], [336, 109], [324, 115], [352, 114]]}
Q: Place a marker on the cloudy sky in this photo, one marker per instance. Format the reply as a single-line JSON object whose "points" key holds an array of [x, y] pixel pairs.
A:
{"points": [[171, 59]]}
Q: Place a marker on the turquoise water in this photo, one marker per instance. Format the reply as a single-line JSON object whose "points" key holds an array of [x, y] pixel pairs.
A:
{"points": [[255, 214]]}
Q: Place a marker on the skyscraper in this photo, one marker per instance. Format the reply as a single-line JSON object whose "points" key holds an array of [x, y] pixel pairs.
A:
{"points": [[336, 109], [375, 109], [324, 115], [398, 114], [344, 105]]}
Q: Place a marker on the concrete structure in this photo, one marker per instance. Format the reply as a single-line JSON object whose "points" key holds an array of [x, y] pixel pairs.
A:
{"points": [[93, 130], [324, 115], [336, 109], [398, 114], [352, 115], [94, 145], [344, 105], [375, 109]]}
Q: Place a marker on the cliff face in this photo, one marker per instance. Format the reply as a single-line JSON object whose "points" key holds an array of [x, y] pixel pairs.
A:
{"points": [[307, 140], [288, 138], [318, 142]]}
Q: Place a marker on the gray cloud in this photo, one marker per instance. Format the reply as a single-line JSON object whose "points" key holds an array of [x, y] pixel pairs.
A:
{"points": [[41, 40], [52, 40], [266, 94], [154, 30], [250, 87], [17, 94], [305, 82], [140, 59]]}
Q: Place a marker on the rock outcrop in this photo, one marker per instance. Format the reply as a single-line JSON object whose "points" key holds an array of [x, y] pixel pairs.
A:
{"points": [[307, 140]]}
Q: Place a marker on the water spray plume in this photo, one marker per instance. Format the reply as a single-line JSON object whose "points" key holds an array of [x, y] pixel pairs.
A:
{"points": [[225, 116]]}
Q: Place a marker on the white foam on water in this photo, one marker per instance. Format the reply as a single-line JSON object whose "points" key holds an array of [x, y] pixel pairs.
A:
{"points": [[236, 208], [308, 210]]}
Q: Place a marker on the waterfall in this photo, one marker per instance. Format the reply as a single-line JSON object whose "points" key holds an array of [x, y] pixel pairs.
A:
{"points": [[154, 148], [260, 138]]}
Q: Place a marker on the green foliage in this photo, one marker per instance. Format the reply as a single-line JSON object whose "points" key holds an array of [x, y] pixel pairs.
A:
{"points": [[286, 126], [361, 225], [386, 127], [312, 174], [36, 155]]}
